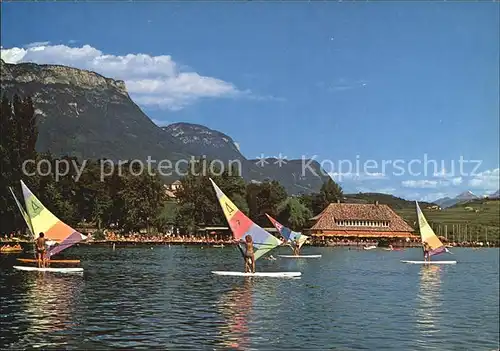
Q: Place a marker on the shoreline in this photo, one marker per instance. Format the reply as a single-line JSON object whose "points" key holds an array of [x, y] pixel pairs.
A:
{"points": [[227, 243]]}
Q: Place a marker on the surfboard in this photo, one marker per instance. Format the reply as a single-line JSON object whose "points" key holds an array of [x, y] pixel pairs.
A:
{"points": [[300, 256], [430, 262], [260, 274], [49, 269], [32, 260]]}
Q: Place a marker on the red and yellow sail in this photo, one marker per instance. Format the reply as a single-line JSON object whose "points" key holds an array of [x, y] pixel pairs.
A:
{"points": [[241, 225]]}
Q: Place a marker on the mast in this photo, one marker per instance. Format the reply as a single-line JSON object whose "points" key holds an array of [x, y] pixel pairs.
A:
{"points": [[27, 219]]}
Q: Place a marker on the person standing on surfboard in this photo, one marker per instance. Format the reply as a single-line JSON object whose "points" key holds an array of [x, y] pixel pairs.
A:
{"points": [[249, 255], [295, 247], [426, 251], [40, 250]]}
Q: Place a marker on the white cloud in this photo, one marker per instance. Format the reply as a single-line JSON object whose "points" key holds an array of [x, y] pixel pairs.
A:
{"points": [[432, 196], [487, 181], [430, 184], [343, 84], [364, 189], [442, 174], [37, 43], [150, 80], [424, 183], [456, 181]]}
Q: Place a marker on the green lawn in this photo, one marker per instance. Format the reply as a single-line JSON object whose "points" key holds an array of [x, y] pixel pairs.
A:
{"points": [[461, 222]]}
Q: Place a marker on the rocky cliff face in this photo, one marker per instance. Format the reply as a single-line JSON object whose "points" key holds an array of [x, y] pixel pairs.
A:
{"points": [[200, 139], [86, 115], [83, 114]]}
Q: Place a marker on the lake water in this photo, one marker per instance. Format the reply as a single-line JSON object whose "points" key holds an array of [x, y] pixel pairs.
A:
{"points": [[166, 297]]}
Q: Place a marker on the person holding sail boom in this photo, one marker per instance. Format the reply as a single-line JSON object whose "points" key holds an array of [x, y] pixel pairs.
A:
{"points": [[40, 250], [295, 247], [426, 248], [249, 255]]}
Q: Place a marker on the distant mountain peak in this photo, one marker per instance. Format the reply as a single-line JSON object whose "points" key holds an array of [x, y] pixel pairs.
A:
{"points": [[467, 195], [495, 195]]}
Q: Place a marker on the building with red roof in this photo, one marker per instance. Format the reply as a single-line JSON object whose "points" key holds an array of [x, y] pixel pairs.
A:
{"points": [[354, 220]]}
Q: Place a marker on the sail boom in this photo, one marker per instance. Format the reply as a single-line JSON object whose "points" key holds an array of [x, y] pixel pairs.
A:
{"points": [[437, 251]]}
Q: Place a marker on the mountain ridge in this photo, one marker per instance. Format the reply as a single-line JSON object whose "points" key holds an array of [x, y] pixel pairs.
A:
{"points": [[462, 198], [83, 114]]}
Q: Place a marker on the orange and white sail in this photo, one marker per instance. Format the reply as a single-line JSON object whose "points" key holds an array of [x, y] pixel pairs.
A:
{"points": [[44, 221]]}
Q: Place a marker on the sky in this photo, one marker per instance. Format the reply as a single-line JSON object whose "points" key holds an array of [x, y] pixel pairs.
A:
{"points": [[360, 87]]}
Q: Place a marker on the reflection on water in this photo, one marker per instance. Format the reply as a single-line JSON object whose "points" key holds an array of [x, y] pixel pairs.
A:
{"points": [[48, 305], [235, 306], [167, 299], [429, 302]]}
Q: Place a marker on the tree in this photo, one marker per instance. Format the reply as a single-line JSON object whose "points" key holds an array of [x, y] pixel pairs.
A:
{"points": [[142, 197], [198, 204], [17, 144], [293, 213], [329, 192], [167, 216], [94, 199], [264, 198]]}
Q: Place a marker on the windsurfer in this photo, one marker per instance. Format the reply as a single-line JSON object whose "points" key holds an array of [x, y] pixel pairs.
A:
{"points": [[40, 250], [249, 255], [426, 251], [295, 247]]}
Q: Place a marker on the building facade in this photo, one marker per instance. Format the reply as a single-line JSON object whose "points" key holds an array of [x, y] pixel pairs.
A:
{"points": [[361, 221], [170, 189]]}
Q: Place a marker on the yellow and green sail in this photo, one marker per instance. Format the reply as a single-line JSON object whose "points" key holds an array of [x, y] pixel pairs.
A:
{"points": [[241, 225], [43, 221], [428, 236]]}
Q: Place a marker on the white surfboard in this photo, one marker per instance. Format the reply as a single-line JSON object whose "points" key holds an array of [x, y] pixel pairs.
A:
{"points": [[260, 274], [49, 269], [300, 256], [430, 262]]}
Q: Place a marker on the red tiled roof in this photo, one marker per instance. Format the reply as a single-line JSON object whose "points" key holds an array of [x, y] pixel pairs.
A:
{"points": [[362, 212]]}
